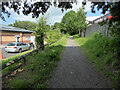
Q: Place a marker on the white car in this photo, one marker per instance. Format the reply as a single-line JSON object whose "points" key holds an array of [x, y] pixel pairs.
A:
{"points": [[17, 47]]}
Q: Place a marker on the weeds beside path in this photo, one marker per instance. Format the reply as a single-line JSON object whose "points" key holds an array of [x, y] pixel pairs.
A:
{"points": [[74, 71], [38, 69]]}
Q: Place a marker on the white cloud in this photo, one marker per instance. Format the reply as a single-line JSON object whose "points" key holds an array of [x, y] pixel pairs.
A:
{"points": [[88, 6], [79, 5], [24, 18], [55, 13], [54, 19]]}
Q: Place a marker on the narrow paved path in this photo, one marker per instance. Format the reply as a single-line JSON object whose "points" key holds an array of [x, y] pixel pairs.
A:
{"points": [[74, 71]]}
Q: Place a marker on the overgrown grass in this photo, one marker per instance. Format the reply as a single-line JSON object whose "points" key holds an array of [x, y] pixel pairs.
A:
{"points": [[38, 70], [102, 52], [4, 61], [12, 67], [52, 35]]}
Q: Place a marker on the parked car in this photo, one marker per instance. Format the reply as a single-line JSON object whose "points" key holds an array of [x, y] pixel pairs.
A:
{"points": [[17, 47]]}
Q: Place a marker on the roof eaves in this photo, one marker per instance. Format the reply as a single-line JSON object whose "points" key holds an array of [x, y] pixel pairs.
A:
{"points": [[13, 29]]}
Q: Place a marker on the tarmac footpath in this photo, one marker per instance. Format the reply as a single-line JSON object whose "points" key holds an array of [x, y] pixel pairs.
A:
{"points": [[74, 70]]}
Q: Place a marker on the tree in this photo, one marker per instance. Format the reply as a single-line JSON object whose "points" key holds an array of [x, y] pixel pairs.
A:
{"points": [[35, 8], [114, 9], [81, 21], [38, 8], [56, 25], [73, 22], [67, 23], [25, 25], [113, 23], [40, 32], [53, 35]]}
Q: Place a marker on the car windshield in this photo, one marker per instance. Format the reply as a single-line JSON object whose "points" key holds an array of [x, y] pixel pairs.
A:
{"points": [[11, 44]]}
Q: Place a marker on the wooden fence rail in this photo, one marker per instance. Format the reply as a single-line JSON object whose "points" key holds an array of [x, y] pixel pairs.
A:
{"points": [[22, 57]]}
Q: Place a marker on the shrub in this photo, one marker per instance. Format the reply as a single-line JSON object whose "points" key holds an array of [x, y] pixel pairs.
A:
{"points": [[52, 35], [38, 70], [103, 51]]}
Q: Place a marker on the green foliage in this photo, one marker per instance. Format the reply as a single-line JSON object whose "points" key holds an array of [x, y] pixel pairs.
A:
{"points": [[102, 51], [73, 22], [76, 36], [53, 35], [4, 61], [19, 83], [102, 47], [56, 25], [81, 41], [113, 23], [81, 20], [40, 32], [13, 66], [38, 70], [25, 25], [67, 24]]}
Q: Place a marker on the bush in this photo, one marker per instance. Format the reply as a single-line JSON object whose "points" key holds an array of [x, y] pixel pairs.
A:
{"points": [[38, 70], [103, 52], [52, 35], [76, 36], [101, 47]]}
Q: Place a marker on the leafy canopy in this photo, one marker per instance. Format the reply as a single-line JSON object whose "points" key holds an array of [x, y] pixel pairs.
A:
{"points": [[25, 25], [68, 24], [40, 32], [34, 8], [73, 22]]}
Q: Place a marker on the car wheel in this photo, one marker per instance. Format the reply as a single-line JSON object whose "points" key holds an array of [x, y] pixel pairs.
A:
{"points": [[20, 50]]}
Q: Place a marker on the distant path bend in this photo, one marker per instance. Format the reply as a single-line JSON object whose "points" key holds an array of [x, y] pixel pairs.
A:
{"points": [[74, 71]]}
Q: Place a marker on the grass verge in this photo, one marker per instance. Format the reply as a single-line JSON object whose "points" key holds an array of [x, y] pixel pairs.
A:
{"points": [[101, 51], [4, 61], [38, 69]]}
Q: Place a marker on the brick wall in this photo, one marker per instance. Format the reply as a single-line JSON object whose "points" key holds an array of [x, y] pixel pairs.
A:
{"points": [[25, 37], [0, 37], [8, 37]]}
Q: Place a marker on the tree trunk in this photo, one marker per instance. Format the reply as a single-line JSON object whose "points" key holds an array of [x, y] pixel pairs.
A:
{"points": [[84, 32], [42, 41], [80, 33]]}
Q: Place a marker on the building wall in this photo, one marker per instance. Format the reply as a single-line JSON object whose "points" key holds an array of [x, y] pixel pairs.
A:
{"points": [[26, 38], [0, 36], [97, 28], [7, 37]]}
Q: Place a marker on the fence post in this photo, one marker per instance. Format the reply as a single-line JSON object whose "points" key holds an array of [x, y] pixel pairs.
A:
{"points": [[37, 50], [24, 61]]}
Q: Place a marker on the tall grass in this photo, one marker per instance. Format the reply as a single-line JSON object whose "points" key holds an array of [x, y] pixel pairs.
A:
{"points": [[102, 51], [38, 70], [4, 61], [52, 35], [100, 47]]}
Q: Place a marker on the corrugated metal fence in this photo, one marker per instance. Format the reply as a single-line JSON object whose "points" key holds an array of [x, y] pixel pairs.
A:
{"points": [[97, 28]]}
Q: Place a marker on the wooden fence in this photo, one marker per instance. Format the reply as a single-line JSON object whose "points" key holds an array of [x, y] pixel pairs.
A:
{"points": [[23, 57]]}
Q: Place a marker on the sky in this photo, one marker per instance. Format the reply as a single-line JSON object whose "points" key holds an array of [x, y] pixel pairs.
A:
{"points": [[54, 14]]}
